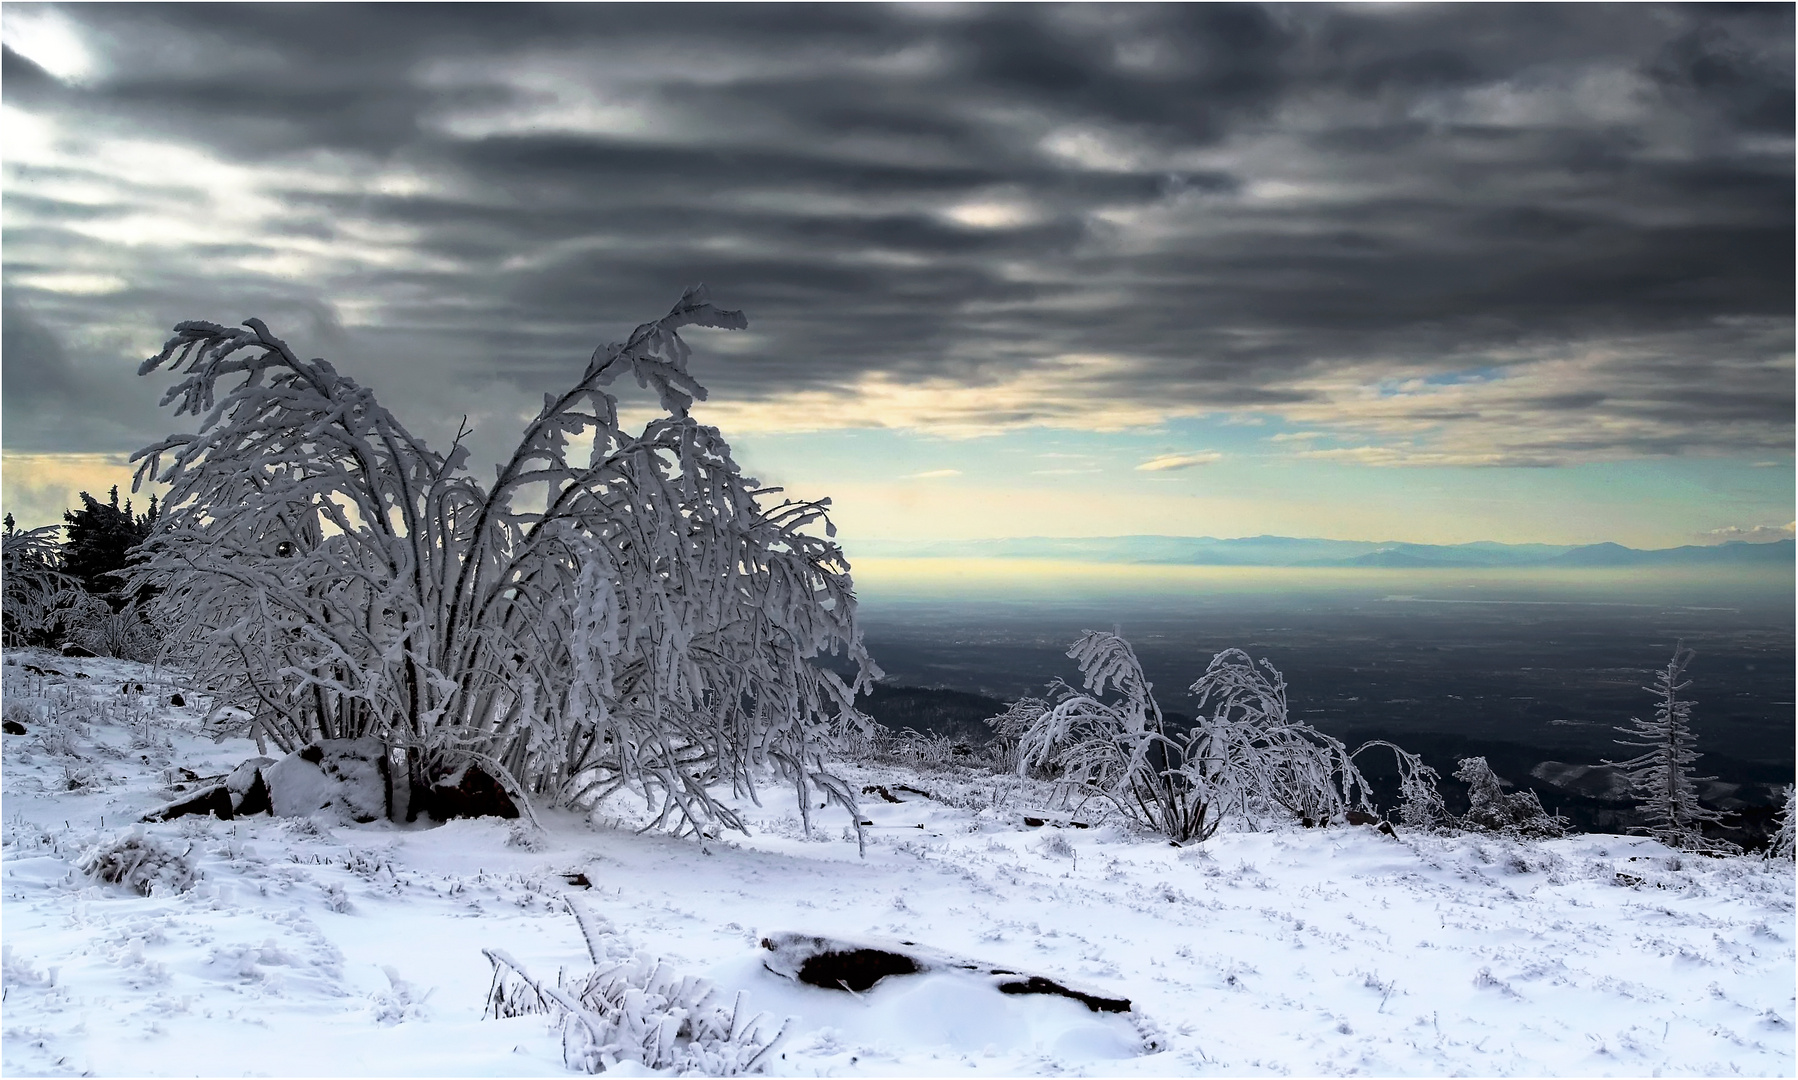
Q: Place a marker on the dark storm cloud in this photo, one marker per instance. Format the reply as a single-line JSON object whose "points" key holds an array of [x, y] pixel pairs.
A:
{"points": [[1244, 202]]}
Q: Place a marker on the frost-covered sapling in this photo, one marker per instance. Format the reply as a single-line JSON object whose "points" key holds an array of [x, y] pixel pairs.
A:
{"points": [[1781, 844], [633, 618], [1661, 777], [1265, 761]]}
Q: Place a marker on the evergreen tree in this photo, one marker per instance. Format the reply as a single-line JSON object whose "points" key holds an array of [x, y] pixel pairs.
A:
{"points": [[1780, 847], [101, 537], [1662, 775]]}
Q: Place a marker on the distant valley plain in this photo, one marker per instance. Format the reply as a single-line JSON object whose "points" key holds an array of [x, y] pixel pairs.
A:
{"points": [[1534, 666]]}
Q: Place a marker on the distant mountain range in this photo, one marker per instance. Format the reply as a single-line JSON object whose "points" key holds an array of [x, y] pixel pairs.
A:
{"points": [[1290, 551]]}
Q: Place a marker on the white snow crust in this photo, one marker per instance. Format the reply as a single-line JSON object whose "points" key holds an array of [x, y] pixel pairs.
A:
{"points": [[308, 946]]}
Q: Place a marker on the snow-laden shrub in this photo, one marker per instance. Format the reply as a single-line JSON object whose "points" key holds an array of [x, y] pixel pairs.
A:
{"points": [[632, 1008], [1420, 804], [125, 634], [138, 860], [60, 735], [78, 776], [40, 600], [921, 749], [16, 970], [1009, 729], [1242, 757], [625, 614], [25, 713], [400, 1002], [1491, 809]]}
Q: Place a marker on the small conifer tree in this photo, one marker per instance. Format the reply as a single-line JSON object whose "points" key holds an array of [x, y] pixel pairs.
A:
{"points": [[1781, 845], [101, 538], [1661, 776]]}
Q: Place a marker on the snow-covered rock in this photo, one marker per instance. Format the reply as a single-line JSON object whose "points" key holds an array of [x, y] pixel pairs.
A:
{"points": [[343, 777], [214, 800]]}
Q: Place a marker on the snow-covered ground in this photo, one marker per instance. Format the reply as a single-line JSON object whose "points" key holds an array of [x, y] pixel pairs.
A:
{"points": [[307, 947]]}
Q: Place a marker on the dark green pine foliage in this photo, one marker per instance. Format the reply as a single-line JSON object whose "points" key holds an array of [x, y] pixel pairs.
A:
{"points": [[100, 539]]}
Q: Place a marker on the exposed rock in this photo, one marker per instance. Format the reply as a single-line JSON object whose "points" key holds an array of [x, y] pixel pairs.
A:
{"points": [[249, 792], [214, 800], [841, 964], [177, 700], [853, 969], [255, 800], [468, 792], [1060, 822]]}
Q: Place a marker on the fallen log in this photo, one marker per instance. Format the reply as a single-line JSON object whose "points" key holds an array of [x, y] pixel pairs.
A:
{"points": [[856, 965]]}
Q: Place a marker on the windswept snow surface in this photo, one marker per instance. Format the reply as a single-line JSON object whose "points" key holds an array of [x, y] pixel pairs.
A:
{"points": [[311, 947]]}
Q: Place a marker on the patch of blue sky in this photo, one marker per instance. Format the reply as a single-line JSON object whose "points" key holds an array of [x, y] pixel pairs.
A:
{"points": [[1411, 384]]}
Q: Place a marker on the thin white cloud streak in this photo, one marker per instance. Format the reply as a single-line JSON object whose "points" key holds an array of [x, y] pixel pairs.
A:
{"points": [[1754, 534], [1073, 392], [1167, 462]]}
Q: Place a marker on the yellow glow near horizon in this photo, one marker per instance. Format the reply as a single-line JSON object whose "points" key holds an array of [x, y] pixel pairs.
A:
{"points": [[971, 578], [36, 488]]}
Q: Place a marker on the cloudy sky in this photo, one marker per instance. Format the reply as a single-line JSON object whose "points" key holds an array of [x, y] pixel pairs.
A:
{"points": [[1403, 272]]}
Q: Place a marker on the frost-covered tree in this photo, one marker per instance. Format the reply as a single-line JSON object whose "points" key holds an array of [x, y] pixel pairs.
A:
{"points": [[1243, 757], [1661, 777], [101, 537], [634, 616], [1781, 844]]}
